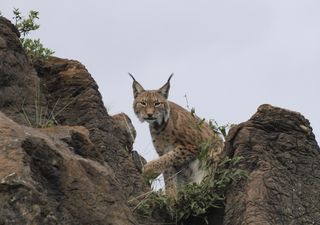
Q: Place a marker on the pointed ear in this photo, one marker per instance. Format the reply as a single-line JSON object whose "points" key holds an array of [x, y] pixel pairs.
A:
{"points": [[137, 88], [164, 90]]}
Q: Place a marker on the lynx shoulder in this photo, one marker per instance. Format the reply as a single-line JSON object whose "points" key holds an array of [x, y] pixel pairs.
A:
{"points": [[177, 135]]}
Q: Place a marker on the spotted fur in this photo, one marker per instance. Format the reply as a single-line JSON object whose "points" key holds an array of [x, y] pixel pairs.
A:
{"points": [[176, 134]]}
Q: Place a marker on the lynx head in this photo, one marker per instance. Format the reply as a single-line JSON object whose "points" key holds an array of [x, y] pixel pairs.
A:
{"points": [[151, 105]]}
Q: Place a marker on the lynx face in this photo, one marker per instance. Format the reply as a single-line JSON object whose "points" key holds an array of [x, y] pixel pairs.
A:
{"points": [[151, 105]]}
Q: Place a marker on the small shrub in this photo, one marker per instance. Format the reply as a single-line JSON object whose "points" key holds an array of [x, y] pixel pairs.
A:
{"points": [[24, 26], [194, 200], [33, 47], [154, 202]]}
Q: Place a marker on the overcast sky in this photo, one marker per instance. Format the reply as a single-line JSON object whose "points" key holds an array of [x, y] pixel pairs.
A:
{"points": [[228, 56]]}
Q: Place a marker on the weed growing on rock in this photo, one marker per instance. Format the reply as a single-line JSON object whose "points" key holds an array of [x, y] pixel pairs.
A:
{"points": [[33, 47], [41, 116], [194, 200]]}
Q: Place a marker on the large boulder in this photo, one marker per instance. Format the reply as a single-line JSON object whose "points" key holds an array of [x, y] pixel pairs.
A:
{"points": [[44, 181], [282, 158]]}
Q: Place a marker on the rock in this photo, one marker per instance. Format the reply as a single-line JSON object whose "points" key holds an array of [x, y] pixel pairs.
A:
{"points": [[67, 93], [42, 181], [18, 79], [283, 160], [74, 99], [80, 170], [124, 125], [138, 160]]}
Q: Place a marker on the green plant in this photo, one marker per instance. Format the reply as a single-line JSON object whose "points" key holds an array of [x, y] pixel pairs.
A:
{"points": [[33, 47], [154, 202], [24, 26], [194, 200], [219, 129], [41, 117], [205, 154]]}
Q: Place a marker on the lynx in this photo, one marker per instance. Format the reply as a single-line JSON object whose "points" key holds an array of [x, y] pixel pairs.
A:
{"points": [[177, 135]]}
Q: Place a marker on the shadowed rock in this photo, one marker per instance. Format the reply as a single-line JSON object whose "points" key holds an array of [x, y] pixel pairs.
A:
{"points": [[44, 182], [18, 79]]}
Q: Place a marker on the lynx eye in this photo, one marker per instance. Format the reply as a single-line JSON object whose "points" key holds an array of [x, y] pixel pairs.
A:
{"points": [[142, 103], [156, 104]]}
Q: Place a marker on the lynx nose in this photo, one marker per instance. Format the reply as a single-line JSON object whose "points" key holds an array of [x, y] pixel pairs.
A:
{"points": [[150, 115]]}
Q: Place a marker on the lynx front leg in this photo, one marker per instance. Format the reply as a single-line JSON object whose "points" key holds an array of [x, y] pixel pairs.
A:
{"points": [[170, 181], [174, 158]]}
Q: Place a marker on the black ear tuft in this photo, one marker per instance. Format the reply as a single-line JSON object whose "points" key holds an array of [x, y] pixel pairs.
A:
{"points": [[137, 88], [132, 77], [164, 90], [171, 75]]}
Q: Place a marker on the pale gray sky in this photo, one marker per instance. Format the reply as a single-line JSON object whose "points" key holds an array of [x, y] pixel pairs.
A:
{"points": [[228, 56]]}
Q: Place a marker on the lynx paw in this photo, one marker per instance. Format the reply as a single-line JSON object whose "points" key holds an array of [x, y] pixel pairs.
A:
{"points": [[149, 172]]}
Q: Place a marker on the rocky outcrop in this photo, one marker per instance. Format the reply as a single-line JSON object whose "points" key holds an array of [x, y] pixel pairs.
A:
{"points": [[18, 77], [65, 174], [73, 97], [45, 181], [283, 160]]}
